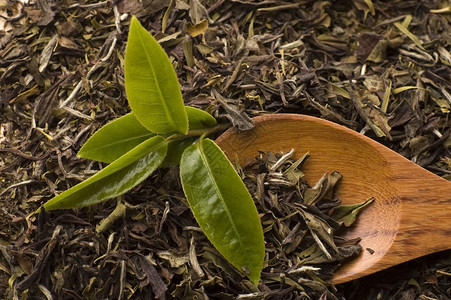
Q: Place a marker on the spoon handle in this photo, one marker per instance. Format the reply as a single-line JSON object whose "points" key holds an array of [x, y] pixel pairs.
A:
{"points": [[425, 224], [413, 221]]}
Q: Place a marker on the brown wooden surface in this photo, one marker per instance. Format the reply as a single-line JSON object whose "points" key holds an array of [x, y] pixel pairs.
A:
{"points": [[411, 216]]}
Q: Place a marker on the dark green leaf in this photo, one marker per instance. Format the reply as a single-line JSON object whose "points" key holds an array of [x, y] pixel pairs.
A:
{"points": [[223, 207], [115, 179], [115, 139], [175, 150], [151, 84]]}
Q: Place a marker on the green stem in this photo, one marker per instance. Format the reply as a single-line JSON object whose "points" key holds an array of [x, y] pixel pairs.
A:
{"points": [[199, 132]]}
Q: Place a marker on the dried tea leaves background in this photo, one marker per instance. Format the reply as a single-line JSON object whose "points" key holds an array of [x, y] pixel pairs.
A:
{"points": [[380, 68]]}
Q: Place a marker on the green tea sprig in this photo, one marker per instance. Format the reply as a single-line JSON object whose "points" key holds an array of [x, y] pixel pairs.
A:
{"points": [[161, 130]]}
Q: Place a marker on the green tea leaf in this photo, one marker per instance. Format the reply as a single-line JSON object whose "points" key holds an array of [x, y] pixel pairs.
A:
{"points": [[348, 213], [115, 139], [199, 119], [175, 151], [115, 179], [223, 207], [151, 84], [123, 134]]}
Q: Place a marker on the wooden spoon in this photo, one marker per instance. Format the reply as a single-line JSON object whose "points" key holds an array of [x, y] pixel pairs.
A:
{"points": [[411, 215]]}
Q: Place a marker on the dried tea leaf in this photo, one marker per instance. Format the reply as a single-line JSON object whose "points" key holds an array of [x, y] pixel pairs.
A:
{"points": [[379, 52], [370, 6], [305, 233], [240, 120], [167, 13], [175, 260], [371, 47], [321, 231], [293, 173], [325, 184], [365, 105], [187, 47], [445, 55], [341, 91], [313, 255], [118, 212], [403, 28], [204, 49], [47, 14], [443, 104], [47, 52], [156, 282], [197, 29], [386, 99], [197, 12], [348, 213], [404, 88]]}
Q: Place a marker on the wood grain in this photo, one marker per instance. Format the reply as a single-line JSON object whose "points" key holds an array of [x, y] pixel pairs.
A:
{"points": [[411, 216]]}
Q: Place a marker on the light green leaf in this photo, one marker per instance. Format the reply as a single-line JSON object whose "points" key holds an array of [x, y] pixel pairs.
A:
{"points": [[123, 134], [199, 119], [223, 207], [151, 84], [115, 139], [348, 213], [115, 179]]}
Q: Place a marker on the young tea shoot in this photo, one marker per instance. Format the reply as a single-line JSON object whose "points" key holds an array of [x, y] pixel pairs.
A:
{"points": [[159, 131]]}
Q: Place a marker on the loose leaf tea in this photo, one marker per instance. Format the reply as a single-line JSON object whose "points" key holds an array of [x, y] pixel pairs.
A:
{"points": [[61, 73], [300, 221]]}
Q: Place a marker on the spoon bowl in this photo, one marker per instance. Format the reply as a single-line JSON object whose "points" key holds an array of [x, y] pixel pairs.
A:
{"points": [[411, 214]]}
